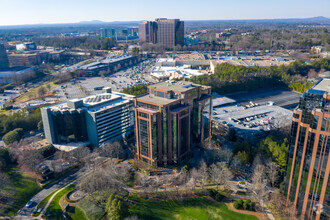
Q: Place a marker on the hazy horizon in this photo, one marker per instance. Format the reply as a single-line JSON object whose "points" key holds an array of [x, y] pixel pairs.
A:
{"points": [[34, 12]]}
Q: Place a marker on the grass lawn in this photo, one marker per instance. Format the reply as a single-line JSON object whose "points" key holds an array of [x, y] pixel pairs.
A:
{"points": [[31, 94], [6, 112], [54, 210], [20, 191], [77, 214], [92, 211], [197, 208]]}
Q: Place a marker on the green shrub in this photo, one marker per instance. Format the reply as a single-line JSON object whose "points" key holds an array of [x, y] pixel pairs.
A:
{"points": [[236, 205], [219, 197], [240, 202], [203, 193], [13, 136], [5, 158], [47, 151], [213, 193], [245, 205], [252, 204]]}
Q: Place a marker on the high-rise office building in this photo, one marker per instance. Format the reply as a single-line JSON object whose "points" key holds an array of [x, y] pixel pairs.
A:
{"points": [[132, 31], [307, 183], [108, 32], [4, 63], [172, 118], [95, 119], [164, 32]]}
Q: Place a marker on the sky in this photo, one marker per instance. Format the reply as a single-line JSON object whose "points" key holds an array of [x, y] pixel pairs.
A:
{"points": [[14, 12]]}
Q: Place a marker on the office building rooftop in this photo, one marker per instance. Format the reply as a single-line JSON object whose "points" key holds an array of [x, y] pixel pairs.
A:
{"points": [[322, 85], [93, 103], [155, 99]]}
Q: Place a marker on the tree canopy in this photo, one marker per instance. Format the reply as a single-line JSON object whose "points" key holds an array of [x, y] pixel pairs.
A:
{"points": [[229, 78], [136, 90], [13, 136], [276, 150], [95, 43], [26, 119]]}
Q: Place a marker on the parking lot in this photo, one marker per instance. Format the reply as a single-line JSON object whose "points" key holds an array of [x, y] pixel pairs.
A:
{"points": [[280, 96], [132, 76]]}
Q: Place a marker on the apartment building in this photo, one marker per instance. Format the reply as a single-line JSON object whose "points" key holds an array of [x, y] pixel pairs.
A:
{"points": [[94, 119], [170, 120], [307, 183]]}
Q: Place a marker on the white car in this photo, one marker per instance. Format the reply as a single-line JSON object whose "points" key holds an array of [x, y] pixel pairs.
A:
{"points": [[29, 203]]}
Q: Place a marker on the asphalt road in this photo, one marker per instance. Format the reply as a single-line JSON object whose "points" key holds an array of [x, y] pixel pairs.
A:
{"points": [[280, 96], [26, 213]]}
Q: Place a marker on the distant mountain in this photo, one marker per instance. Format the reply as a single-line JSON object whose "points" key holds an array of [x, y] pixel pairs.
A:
{"points": [[319, 18], [91, 22]]}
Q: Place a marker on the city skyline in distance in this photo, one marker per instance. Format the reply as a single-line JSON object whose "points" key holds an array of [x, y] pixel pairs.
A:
{"points": [[19, 12]]}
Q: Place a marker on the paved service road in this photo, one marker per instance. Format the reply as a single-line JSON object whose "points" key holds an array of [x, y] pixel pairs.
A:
{"points": [[280, 96], [26, 213]]}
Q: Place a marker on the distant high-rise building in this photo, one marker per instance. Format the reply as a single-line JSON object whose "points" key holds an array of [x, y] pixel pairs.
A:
{"points": [[132, 31], [307, 183], [108, 32], [165, 32], [4, 63], [172, 118]]}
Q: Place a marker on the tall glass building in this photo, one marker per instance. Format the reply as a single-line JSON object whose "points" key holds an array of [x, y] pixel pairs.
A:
{"points": [[308, 166], [170, 120]]}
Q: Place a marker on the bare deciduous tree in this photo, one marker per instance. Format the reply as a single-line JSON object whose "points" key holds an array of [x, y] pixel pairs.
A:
{"points": [[220, 174], [272, 172], [225, 154], [236, 162], [42, 91], [259, 181], [112, 149], [194, 175], [203, 172]]}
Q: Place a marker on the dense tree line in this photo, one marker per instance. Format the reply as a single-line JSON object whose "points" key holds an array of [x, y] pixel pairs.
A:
{"points": [[95, 43], [136, 90], [26, 119], [250, 39], [229, 78]]}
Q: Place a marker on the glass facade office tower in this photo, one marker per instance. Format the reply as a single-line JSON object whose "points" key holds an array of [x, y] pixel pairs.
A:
{"points": [[307, 183], [170, 119], [108, 32], [4, 63], [95, 119], [164, 32]]}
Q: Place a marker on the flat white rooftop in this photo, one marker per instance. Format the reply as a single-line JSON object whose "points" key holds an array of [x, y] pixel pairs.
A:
{"points": [[95, 102]]}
